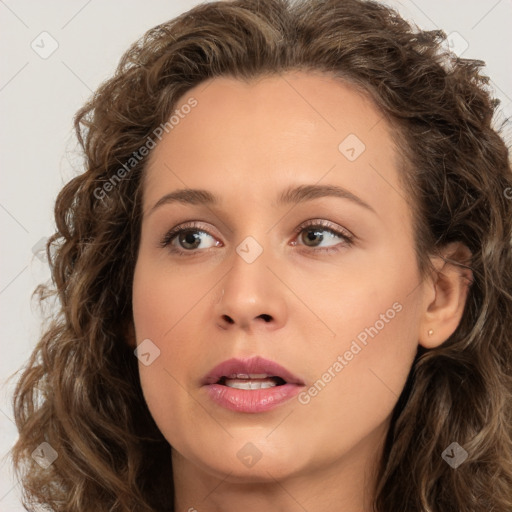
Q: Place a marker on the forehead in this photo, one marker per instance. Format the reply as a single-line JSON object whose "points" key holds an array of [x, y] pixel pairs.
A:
{"points": [[260, 136], [301, 103]]}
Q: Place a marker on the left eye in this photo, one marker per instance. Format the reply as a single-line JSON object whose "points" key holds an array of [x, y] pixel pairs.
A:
{"points": [[186, 238], [313, 234]]}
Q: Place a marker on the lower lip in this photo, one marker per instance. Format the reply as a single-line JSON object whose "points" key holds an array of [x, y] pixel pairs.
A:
{"points": [[255, 400]]}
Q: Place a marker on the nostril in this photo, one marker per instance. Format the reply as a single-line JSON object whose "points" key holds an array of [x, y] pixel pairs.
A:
{"points": [[266, 317]]}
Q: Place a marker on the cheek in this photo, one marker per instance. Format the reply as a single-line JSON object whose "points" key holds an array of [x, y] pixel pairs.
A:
{"points": [[359, 380], [161, 298], [161, 305], [359, 375]]}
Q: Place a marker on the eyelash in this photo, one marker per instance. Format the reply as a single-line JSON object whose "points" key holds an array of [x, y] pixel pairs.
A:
{"points": [[192, 226]]}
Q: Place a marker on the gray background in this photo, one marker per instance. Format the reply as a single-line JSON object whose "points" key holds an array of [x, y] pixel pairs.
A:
{"points": [[39, 96]]}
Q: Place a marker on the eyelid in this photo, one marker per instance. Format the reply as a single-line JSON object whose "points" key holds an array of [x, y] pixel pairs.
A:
{"points": [[191, 225], [329, 226]]}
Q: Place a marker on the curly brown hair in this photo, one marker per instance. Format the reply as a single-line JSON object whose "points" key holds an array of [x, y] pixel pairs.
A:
{"points": [[80, 389]]}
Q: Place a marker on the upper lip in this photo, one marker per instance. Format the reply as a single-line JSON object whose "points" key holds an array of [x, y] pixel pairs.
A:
{"points": [[252, 365]]}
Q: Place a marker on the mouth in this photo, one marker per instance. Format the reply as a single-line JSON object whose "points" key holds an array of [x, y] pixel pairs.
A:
{"points": [[252, 373], [251, 385], [251, 381]]}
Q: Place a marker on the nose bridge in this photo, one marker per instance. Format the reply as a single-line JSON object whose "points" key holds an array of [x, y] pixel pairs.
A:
{"points": [[253, 250], [249, 275], [250, 291]]}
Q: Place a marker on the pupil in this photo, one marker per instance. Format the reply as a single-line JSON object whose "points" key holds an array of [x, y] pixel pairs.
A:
{"points": [[312, 234], [186, 238]]}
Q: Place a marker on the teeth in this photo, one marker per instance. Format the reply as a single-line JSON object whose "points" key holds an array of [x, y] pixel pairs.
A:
{"points": [[248, 376], [250, 384]]}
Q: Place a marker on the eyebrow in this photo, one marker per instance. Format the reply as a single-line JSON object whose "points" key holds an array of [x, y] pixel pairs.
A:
{"points": [[292, 195]]}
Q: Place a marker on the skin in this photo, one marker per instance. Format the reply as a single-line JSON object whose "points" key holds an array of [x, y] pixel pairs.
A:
{"points": [[245, 143]]}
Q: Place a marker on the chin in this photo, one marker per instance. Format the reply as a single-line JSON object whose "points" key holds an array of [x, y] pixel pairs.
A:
{"points": [[250, 462], [262, 472]]}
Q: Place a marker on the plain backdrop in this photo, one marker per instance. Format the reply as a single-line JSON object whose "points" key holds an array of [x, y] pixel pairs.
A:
{"points": [[40, 92]]}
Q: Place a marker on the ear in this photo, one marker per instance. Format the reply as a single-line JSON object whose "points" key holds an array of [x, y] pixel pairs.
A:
{"points": [[445, 296]]}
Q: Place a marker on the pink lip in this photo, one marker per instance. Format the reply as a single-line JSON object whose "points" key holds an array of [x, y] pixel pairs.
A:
{"points": [[252, 401]]}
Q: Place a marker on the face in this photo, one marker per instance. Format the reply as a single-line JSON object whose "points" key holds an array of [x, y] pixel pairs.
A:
{"points": [[304, 258]]}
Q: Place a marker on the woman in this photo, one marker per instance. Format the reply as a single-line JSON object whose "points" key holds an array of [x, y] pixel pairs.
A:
{"points": [[285, 276]]}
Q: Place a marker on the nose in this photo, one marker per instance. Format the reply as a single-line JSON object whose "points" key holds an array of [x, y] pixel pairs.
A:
{"points": [[252, 297]]}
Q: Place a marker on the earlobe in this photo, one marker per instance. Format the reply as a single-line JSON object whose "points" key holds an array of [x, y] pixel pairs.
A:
{"points": [[446, 295]]}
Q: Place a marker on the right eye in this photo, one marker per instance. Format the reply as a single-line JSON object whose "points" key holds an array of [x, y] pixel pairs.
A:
{"points": [[185, 238]]}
